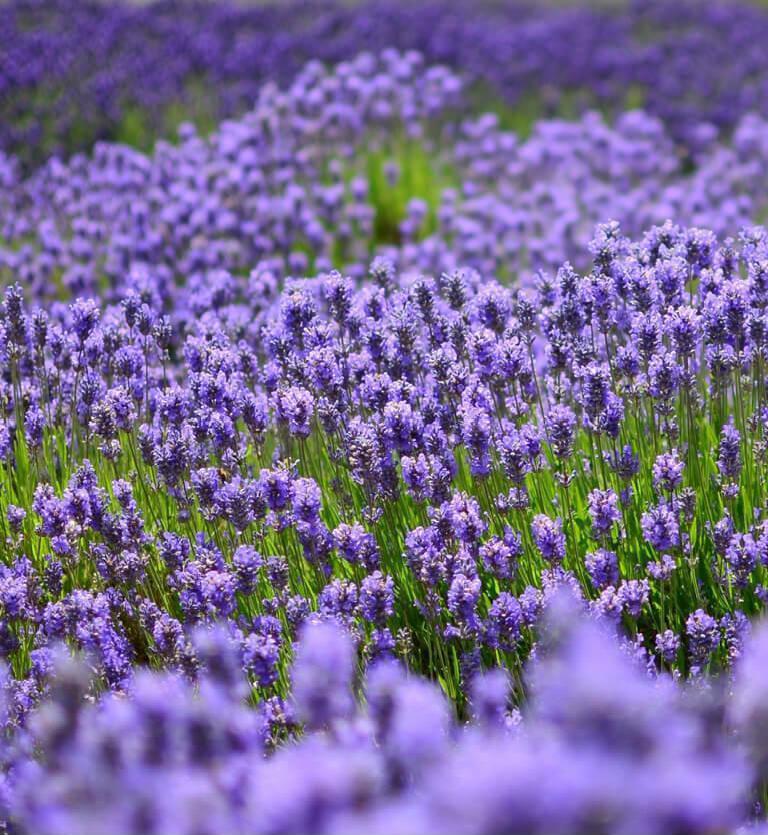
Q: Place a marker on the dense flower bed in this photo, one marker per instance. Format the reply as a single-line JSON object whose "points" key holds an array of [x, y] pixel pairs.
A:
{"points": [[366, 465], [451, 444]]}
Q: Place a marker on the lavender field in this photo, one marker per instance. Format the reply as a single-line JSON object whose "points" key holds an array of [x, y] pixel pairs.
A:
{"points": [[383, 417]]}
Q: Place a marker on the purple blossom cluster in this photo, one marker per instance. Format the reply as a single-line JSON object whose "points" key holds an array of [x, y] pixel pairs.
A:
{"points": [[268, 194]]}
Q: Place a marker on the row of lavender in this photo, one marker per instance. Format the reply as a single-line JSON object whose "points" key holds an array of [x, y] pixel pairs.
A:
{"points": [[416, 457], [370, 157], [696, 66]]}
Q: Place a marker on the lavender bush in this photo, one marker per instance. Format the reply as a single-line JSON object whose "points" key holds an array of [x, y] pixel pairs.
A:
{"points": [[367, 465]]}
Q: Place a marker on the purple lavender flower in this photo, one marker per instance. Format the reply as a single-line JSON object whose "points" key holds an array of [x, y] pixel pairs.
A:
{"points": [[560, 424], [339, 600], [549, 538], [667, 645], [462, 599], [34, 424], [742, 556], [736, 629], [703, 637], [247, 563], [356, 545], [729, 452], [295, 407], [661, 528], [465, 518], [602, 568], [277, 488], [500, 555], [604, 510], [634, 596], [663, 568], [626, 464], [683, 325], [15, 516], [668, 471], [722, 533], [377, 598], [596, 381], [664, 375], [85, 317], [505, 621]]}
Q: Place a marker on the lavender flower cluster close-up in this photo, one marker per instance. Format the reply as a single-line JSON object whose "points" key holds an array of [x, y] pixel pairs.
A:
{"points": [[383, 418]]}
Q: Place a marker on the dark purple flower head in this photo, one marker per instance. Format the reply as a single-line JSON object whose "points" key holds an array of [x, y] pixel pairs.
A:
{"points": [[277, 488], [661, 528], [549, 537], [722, 532], [603, 568], [667, 645], [16, 516], [295, 407], [34, 424], [356, 545], [626, 463], [500, 555], [664, 375], [338, 600], [260, 654], [634, 596], [463, 596], [173, 549], [307, 500], [742, 556], [85, 317], [506, 618], [463, 518], [729, 452], [595, 388], [668, 471], [247, 563], [604, 511], [683, 325], [663, 568], [515, 456], [377, 598], [703, 637]]}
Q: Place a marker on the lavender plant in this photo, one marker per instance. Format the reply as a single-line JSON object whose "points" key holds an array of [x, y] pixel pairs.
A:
{"points": [[369, 158]]}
